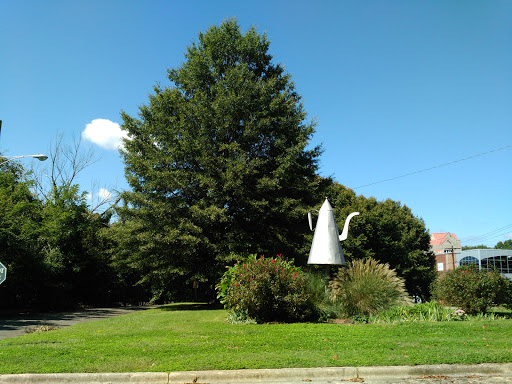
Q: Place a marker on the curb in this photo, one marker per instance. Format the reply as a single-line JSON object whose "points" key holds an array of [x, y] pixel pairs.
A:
{"points": [[88, 378], [265, 375], [436, 370], [282, 375]]}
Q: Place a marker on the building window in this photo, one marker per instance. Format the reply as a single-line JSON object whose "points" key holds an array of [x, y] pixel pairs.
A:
{"points": [[469, 260], [440, 267], [501, 263]]}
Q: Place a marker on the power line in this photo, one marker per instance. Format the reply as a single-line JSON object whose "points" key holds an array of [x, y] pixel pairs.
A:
{"points": [[434, 167], [490, 235]]}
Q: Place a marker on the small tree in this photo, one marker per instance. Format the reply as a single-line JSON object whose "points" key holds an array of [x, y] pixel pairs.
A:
{"points": [[367, 287], [472, 289]]}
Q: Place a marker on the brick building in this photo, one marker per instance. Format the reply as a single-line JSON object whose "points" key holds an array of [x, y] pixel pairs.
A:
{"points": [[445, 246]]}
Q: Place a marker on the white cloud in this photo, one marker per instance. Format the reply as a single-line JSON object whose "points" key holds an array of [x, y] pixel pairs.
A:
{"points": [[104, 133], [104, 194], [99, 199], [101, 195]]}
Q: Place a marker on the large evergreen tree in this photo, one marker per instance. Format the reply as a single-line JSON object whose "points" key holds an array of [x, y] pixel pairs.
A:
{"points": [[218, 163]]}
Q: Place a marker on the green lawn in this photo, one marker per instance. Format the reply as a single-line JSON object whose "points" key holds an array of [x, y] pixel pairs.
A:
{"points": [[166, 339]]}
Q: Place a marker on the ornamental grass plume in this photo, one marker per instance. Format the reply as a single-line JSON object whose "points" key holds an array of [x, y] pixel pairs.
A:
{"points": [[367, 287]]}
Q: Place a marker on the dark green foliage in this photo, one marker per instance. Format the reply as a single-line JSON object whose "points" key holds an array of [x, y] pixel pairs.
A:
{"points": [[367, 287], [118, 245], [52, 249], [77, 271], [20, 214], [217, 164], [473, 290], [267, 290], [388, 232], [318, 286], [507, 244], [467, 247]]}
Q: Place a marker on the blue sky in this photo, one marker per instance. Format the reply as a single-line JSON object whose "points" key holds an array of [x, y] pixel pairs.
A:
{"points": [[396, 87]]}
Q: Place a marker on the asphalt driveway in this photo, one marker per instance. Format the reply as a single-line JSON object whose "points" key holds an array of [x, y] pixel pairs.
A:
{"points": [[19, 324]]}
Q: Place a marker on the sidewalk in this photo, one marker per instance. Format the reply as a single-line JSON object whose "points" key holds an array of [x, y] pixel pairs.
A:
{"points": [[456, 373]]}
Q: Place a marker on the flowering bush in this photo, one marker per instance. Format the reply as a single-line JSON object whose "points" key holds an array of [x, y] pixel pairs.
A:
{"points": [[471, 289], [266, 290], [458, 314]]}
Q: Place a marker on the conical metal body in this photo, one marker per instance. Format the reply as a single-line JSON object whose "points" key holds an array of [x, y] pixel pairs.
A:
{"points": [[326, 246]]}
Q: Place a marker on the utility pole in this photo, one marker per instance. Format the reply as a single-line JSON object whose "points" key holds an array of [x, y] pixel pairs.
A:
{"points": [[454, 261]]}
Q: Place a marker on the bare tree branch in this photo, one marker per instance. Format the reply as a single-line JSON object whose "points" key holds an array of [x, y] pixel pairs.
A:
{"points": [[64, 165]]}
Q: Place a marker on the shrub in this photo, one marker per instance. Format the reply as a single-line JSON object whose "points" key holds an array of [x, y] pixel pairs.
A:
{"points": [[320, 295], [471, 289], [266, 290], [429, 311], [367, 287]]}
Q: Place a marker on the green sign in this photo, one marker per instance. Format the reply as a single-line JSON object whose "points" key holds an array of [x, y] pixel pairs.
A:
{"points": [[3, 273]]}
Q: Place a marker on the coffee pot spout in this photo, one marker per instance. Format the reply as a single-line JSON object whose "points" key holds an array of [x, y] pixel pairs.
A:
{"points": [[344, 234]]}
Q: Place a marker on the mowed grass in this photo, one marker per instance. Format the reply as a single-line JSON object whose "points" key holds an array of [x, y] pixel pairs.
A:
{"points": [[172, 339]]}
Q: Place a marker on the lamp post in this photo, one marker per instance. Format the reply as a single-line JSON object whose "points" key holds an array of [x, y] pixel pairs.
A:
{"points": [[40, 157]]}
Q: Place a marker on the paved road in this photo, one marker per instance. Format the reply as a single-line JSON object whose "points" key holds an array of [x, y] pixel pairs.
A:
{"points": [[19, 324]]}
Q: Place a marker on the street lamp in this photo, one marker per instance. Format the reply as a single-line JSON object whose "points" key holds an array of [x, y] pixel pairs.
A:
{"points": [[40, 157]]}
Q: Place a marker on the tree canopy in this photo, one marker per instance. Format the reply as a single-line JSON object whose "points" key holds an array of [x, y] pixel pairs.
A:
{"points": [[218, 162], [507, 244], [20, 214], [51, 245]]}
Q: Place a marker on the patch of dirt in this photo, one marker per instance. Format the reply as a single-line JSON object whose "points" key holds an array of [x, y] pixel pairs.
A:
{"points": [[41, 328], [340, 321]]}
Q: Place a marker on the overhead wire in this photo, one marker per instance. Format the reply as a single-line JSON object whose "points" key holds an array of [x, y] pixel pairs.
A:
{"points": [[490, 235], [485, 237], [434, 167]]}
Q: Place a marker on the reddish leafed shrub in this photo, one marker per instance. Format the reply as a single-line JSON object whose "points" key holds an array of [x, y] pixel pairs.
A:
{"points": [[266, 290]]}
